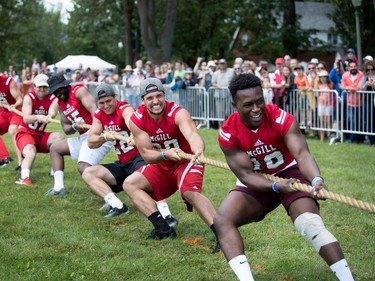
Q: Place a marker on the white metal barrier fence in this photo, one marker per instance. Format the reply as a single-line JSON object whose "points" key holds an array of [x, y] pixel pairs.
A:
{"points": [[358, 115], [317, 110]]}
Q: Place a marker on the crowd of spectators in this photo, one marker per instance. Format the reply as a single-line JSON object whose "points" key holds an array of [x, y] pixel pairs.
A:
{"points": [[279, 79]]}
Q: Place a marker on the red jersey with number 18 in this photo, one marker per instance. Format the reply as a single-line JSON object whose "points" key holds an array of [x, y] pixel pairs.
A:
{"points": [[164, 133], [265, 146], [115, 122]]}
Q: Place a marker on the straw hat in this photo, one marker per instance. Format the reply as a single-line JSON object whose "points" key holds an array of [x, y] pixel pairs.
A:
{"points": [[323, 73], [127, 68]]}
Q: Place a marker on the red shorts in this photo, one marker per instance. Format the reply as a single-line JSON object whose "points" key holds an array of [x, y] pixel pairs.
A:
{"points": [[24, 138], [271, 200], [8, 118], [166, 180]]}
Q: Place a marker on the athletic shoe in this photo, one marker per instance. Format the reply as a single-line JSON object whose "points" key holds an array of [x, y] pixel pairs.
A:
{"points": [[114, 212], [334, 140], [171, 220], [4, 162], [217, 248], [105, 207], [26, 181], [18, 168], [158, 234], [52, 192]]}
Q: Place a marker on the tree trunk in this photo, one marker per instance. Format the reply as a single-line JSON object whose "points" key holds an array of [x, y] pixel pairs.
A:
{"points": [[129, 46], [170, 23], [289, 35], [158, 49]]}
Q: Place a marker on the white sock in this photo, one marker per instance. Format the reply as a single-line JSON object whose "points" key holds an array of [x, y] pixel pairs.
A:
{"points": [[342, 271], [241, 267], [164, 209], [112, 200], [25, 173], [59, 180], [51, 173]]}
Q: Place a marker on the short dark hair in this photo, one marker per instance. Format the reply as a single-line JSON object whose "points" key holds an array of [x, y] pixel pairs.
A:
{"points": [[243, 81]]}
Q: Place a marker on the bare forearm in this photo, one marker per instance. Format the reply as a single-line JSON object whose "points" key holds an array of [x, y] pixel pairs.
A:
{"points": [[30, 119], [96, 141], [152, 156], [308, 167], [255, 181], [196, 143]]}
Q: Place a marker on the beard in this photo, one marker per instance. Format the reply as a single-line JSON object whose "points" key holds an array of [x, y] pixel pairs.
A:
{"points": [[64, 95], [353, 71]]}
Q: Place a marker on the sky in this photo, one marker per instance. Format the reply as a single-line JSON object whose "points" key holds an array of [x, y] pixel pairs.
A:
{"points": [[62, 5]]}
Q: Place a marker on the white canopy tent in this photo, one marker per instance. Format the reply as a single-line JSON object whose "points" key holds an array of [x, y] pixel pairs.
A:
{"points": [[72, 62]]}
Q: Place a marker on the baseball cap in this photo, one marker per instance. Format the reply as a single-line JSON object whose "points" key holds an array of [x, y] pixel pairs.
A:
{"points": [[57, 81], [368, 58], [299, 67], [222, 61], [40, 80], [351, 50], [279, 61], [211, 63], [104, 90], [146, 83], [314, 61]]}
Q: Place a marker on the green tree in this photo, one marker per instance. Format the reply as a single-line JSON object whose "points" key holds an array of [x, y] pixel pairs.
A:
{"points": [[157, 35], [96, 28], [128, 13], [27, 31], [204, 28], [344, 19]]}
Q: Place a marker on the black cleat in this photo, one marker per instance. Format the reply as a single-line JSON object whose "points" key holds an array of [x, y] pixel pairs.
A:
{"points": [[18, 168], [158, 234], [4, 162], [172, 221], [114, 212]]}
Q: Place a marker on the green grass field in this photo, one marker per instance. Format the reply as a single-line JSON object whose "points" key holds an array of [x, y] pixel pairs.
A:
{"points": [[44, 238]]}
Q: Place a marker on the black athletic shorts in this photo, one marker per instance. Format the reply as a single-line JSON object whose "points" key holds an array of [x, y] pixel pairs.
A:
{"points": [[122, 170]]}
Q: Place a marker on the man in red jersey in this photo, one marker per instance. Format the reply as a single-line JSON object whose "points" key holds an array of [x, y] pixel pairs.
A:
{"points": [[77, 106], [38, 108], [164, 125], [113, 117], [264, 138], [10, 99]]}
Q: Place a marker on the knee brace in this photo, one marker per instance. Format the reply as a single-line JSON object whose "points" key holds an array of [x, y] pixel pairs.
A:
{"points": [[311, 227]]}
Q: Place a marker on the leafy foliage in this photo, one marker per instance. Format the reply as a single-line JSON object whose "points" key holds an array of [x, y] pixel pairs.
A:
{"points": [[95, 28], [344, 18], [28, 31], [203, 28]]}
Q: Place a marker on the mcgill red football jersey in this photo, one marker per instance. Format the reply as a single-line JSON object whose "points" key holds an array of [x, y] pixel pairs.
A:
{"points": [[73, 109], [115, 122], [5, 95], [164, 133], [39, 107], [265, 146]]}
